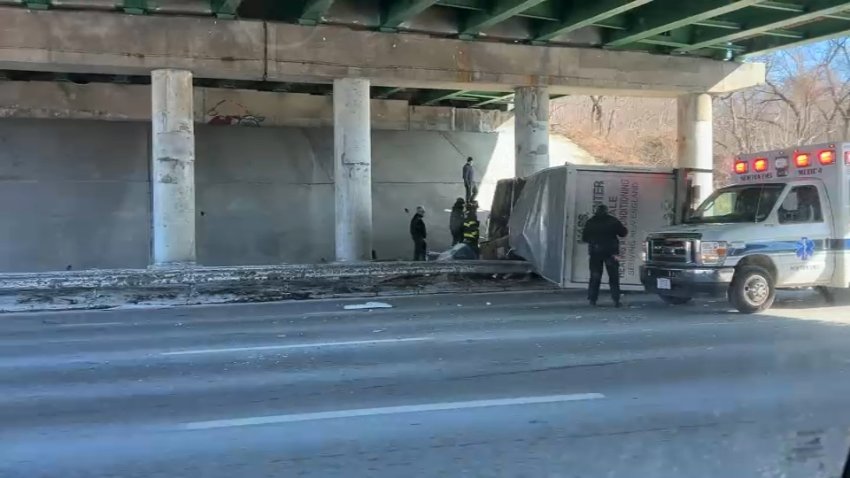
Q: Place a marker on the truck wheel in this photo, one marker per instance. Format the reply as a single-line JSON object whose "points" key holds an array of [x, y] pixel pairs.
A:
{"points": [[752, 290], [669, 299]]}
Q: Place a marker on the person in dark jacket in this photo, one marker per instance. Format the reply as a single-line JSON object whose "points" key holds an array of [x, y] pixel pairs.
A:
{"points": [[456, 221], [469, 180], [602, 234], [418, 234], [471, 227]]}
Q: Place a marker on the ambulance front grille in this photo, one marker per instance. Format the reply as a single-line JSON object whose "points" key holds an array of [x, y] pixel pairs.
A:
{"points": [[679, 251]]}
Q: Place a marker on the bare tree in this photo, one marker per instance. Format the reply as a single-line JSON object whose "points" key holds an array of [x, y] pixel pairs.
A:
{"points": [[837, 75], [806, 99], [611, 113], [596, 113]]}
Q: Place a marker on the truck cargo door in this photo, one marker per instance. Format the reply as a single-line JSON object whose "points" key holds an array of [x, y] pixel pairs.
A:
{"points": [[642, 201]]}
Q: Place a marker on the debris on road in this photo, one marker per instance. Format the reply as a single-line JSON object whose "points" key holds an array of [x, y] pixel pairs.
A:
{"points": [[368, 305]]}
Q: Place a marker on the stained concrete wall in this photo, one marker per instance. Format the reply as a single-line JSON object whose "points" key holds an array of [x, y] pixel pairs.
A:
{"points": [[76, 193], [265, 195], [73, 195]]}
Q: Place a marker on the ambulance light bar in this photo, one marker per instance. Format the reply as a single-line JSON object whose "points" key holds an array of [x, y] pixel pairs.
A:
{"points": [[802, 160], [826, 157]]}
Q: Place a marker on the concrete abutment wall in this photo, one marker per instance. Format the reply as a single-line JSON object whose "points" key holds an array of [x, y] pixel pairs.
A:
{"points": [[77, 194], [76, 169]]}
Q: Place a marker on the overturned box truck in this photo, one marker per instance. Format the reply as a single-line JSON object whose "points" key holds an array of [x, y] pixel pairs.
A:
{"points": [[546, 221], [784, 222]]}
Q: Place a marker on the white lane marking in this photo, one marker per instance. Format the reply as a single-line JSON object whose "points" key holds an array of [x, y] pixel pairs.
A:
{"points": [[294, 346], [90, 324], [368, 412]]}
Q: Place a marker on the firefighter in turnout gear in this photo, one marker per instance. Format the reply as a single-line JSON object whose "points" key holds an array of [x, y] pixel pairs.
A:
{"points": [[471, 227], [456, 221]]}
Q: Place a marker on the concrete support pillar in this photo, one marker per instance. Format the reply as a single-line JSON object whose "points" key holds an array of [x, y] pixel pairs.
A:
{"points": [[352, 170], [531, 129], [173, 168], [695, 140]]}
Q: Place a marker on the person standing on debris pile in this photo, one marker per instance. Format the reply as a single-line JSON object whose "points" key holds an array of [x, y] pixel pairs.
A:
{"points": [[469, 180], [418, 234], [602, 234], [471, 227], [456, 221]]}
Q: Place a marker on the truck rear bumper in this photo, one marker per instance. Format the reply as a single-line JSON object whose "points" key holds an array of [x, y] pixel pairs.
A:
{"points": [[687, 282]]}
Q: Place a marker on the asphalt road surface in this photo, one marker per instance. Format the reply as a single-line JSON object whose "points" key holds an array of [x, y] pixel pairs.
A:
{"points": [[536, 385]]}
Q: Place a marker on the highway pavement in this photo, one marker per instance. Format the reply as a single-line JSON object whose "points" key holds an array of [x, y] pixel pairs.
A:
{"points": [[511, 384]]}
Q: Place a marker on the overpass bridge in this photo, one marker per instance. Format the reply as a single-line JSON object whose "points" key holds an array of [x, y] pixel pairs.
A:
{"points": [[364, 67]]}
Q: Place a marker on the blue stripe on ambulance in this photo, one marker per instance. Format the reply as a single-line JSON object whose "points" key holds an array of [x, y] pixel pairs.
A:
{"points": [[773, 247]]}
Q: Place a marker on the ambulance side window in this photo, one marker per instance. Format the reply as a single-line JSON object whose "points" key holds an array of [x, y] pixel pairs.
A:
{"points": [[801, 205]]}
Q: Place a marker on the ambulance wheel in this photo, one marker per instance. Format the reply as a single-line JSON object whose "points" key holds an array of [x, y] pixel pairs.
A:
{"points": [[669, 299], [752, 290]]}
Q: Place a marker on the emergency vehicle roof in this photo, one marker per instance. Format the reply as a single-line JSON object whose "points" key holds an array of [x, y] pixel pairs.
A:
{"points": [[821, 161]]}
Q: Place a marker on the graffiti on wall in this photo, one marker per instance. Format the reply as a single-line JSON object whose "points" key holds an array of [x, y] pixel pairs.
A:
{"points": [[230, 113]]}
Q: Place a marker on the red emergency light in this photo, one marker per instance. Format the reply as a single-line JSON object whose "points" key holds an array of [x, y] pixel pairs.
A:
{"points": [[741, 167], [802, 160], [826, 157], [760, 165], [847, 157]]}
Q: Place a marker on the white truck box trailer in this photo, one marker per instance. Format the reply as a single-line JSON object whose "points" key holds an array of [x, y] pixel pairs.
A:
{"points": [[546, 223]]}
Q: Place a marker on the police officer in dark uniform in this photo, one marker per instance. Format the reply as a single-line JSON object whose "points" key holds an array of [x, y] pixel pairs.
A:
{"points": [[602, 234], [418, 233]]}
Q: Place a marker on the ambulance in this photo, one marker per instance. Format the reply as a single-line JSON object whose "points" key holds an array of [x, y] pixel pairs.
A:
{"points": [[783, 223]]}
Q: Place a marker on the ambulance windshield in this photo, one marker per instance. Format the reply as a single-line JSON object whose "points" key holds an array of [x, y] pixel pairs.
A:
{"points": [[745, 203]]}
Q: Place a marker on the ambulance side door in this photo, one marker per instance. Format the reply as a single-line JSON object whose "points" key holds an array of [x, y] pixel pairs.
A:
{"points": [[801, 235]]}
